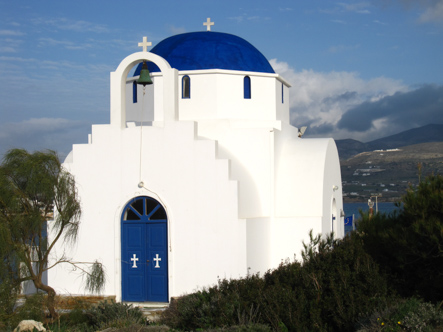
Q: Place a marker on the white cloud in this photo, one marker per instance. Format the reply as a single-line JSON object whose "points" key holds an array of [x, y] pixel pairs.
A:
{"points": [[342, 48], [236, 18], [434, 13], [9, 45], [7, 49], [176, 30], [253, 18], [43, 133], [357, 7], [44, 42], [72, 25], [431, 10], [319, 100], [11, 33]]}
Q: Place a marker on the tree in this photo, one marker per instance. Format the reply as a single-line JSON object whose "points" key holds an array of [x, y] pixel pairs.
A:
{"points": [[408, 245], [35, 189]]}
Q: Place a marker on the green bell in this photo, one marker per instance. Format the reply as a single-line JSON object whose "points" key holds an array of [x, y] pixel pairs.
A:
{"points": [[145, 77]]}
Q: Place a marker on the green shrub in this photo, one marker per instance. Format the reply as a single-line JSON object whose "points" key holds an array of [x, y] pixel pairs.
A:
{"points": [[9, 283], [231, 302], [336, 283], [33, 308], [112, 314], [408, 245], [410, 315], [76, 319], [242, 328], [8, 296]]}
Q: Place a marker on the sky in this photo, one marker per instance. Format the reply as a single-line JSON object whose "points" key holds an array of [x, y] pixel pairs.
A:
{"points": [[358, 69]]}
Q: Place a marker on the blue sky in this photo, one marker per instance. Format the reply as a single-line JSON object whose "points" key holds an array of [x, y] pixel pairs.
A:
{"points": [[359, 70]]}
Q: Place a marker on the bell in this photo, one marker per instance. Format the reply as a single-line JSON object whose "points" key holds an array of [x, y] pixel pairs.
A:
{"points": [[145, 77]]}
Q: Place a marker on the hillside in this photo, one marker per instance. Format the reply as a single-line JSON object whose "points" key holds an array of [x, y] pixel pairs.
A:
{"points": [[348, 148], [389, 172]]}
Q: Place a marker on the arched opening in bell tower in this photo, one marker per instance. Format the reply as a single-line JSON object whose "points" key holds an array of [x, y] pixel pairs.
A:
{"points": [[140, 100]]}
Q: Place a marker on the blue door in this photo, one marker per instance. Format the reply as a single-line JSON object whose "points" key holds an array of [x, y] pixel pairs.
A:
{"points": [[144, 251]]}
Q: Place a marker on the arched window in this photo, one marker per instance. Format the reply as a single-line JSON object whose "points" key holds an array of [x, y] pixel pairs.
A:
{"points": [[247, 87], [134, 92], [145, 209], [186, 87]]}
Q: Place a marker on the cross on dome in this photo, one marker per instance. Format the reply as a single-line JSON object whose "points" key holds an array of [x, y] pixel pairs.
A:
{"points": [[145, 44], [208, 24]]}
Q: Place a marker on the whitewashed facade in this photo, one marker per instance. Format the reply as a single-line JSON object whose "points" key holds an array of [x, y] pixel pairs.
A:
{"points": [[239, 187]]}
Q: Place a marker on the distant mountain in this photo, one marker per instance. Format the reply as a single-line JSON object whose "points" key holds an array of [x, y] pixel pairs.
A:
{"points": [[389, 173], [348, 148], [426, 134]]}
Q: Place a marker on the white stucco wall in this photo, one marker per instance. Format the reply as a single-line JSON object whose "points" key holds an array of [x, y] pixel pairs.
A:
{"points": [[206, 236], [218, 94], [307, 171]]}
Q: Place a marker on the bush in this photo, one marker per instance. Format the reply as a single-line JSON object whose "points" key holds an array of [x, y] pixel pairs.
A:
{"points": [[33, 308], [8, 296], [231, 302], [76, 319], [408, 245], [411, 315], [337, 282], [112, 314], [242, 328]]}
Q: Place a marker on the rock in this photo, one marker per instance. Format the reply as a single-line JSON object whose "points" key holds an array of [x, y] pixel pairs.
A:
{"points": [[29, 325]]}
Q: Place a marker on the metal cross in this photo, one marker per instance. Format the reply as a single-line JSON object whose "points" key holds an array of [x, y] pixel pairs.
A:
{"points": [[145, 44], [157, 259], [135, 260], [208, 24]]}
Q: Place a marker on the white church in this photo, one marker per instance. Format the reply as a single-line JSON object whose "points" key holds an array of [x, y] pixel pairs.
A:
{"points": [[198, 176]]}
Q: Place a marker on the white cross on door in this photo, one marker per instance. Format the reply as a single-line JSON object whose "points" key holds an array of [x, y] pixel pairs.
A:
{"points": [[135, 260], [157, 259]]}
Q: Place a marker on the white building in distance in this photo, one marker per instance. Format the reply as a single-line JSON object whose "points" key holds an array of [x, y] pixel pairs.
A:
{"points": [[199, 176]]}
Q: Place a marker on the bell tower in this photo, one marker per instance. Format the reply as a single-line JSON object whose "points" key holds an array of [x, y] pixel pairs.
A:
{"points": [[167, 95]]}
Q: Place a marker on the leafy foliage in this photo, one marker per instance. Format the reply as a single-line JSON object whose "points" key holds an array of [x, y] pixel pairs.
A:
{"points": [[229, 303], [336, 283], [410, 315], [32, 308], [112, 314], [408, 245], [36, 190], [9, 290]]}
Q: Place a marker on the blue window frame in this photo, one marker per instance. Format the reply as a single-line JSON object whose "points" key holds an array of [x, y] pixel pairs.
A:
{"points": [[247, 87], [134, 92], [186, 87]]}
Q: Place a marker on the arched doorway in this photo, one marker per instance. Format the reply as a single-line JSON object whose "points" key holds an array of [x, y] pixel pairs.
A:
{"points": [[144, 243]]}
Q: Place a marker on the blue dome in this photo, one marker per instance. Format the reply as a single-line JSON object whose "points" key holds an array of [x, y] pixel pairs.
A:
{"points": [[209, 50]]}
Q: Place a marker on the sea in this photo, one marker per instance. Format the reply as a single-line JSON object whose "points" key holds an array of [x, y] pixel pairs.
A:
{"points": [[352, 209]]}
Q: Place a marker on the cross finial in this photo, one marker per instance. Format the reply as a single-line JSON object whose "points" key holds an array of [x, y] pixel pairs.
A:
{"points": [[208, 24], [145, 44]]}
